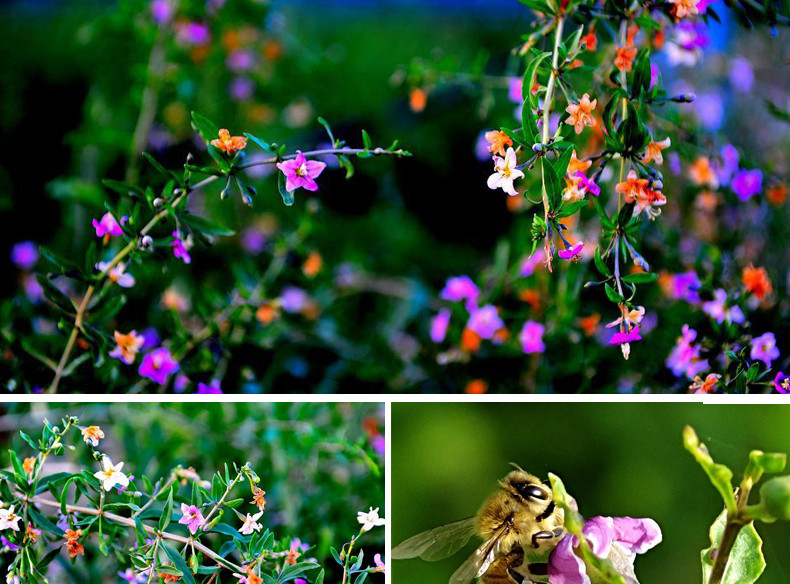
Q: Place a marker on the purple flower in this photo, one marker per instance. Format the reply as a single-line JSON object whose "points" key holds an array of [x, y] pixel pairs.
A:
{"points": [[727, 165], [301, 172], [161, 11], [741, 74], [191, 517], [7, 543], [158, 365], [209, 389], [240, 60], [764, 348], [379, 444], [718, 310], [685, 286], [631, 536], [293, 300], [531, 337], [152, 338], [24, 255], [620, 338], [32, 288], [782, 383], [709, 108], [192, 33], [529, 264], [253, 240], [747, 183], [459, 288], [588, 184], [572, 253], [685, 358], [181, 383], [514, 89], [108, 225], [439, 324], [181, 247], [485, 321], [132, 577], [482, 153], [241, 88]]}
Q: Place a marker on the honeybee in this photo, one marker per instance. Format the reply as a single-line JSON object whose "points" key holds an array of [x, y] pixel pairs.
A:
{"points": [[519, 524]]}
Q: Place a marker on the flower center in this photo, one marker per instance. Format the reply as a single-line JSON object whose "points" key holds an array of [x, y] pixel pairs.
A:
{"points": [[302, 170]]}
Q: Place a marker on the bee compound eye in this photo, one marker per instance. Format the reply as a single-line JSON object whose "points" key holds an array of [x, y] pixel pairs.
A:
{"points": [[530, 491]]}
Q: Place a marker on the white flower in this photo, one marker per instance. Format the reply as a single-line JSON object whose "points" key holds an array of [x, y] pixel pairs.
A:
{"points": [[505, 172], [370, 519], [251, 524], [8, 519], [111, 475], [117, 274], [12, 578]]}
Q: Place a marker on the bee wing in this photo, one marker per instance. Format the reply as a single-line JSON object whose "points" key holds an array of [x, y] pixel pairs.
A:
{"points": [[437, 543], [479, 562]]}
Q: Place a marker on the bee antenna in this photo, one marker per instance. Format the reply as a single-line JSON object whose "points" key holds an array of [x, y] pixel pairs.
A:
{"points": [[517, 467]]}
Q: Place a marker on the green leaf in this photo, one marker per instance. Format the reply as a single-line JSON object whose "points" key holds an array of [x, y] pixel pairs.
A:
{"points": [[227, 530], [30, 442], [746, 562], [167, 512], [123, 188], [44, 523], [288, 197], [155, 163], [293, 571], [561, 165], [234, 503], [325, 124], [553, 186], [179, 563], [366, 140], [640, 278], [529, 79], [204, 225], [613, 295], [642, 74], [207, 129], [720, 476], [265, 146], [600, 264]]}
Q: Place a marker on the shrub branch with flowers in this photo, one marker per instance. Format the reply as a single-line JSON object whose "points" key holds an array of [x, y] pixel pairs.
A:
{"points": [[37, 520], [589, 86]]}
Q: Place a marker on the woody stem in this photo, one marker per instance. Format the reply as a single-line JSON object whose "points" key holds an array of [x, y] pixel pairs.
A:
{"points": [[547, 103]]}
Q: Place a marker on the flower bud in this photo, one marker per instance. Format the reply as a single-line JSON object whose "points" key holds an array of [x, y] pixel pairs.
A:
{"points": [[223, 194], [775, 497], [684, 98], [658, 185], [146, 241], [190, 158], [158, 202], [537, 147]]}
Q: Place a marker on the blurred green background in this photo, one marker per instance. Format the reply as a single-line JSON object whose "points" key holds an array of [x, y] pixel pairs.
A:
{"points": [[616, 459], [318, 462]]}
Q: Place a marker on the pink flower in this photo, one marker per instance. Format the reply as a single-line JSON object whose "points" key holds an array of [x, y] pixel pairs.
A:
{"points": [[380, 566], [631, 336], [191, 517], [588, 184], [460, 288], [572, 253], [181, 247], [719, 311], [108, 225], [214, 387], [24, 255], [301, 172], [782, 383], [485, 321], [531, 337], [158, 365], [529, 264], [631, 536], [117, 274], [685, 358], [764, 348], [439, 324]]}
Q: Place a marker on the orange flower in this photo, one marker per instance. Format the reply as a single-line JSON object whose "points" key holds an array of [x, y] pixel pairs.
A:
{"points": [[258, 498], [498, 140], [776, 195], [74, 547], [684, 8], [576, 165], [531, 297], [312, 265], [589, 324], [706, 386], [501, 336], [515, 204], [590, 41], [27, 465], [31, 533], [418, 99], [476, 386], [229, 144], [268, 312], [632, 188], [701, 173], [625, 58], [92, 434], [470, 341], [128, 346], [581, 113], [653, 151], [757, 281], [169, 577], [647, 200]]}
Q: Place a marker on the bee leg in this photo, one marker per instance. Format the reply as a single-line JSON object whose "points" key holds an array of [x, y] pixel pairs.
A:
{"points": [[541, 569], [541, 535]]}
